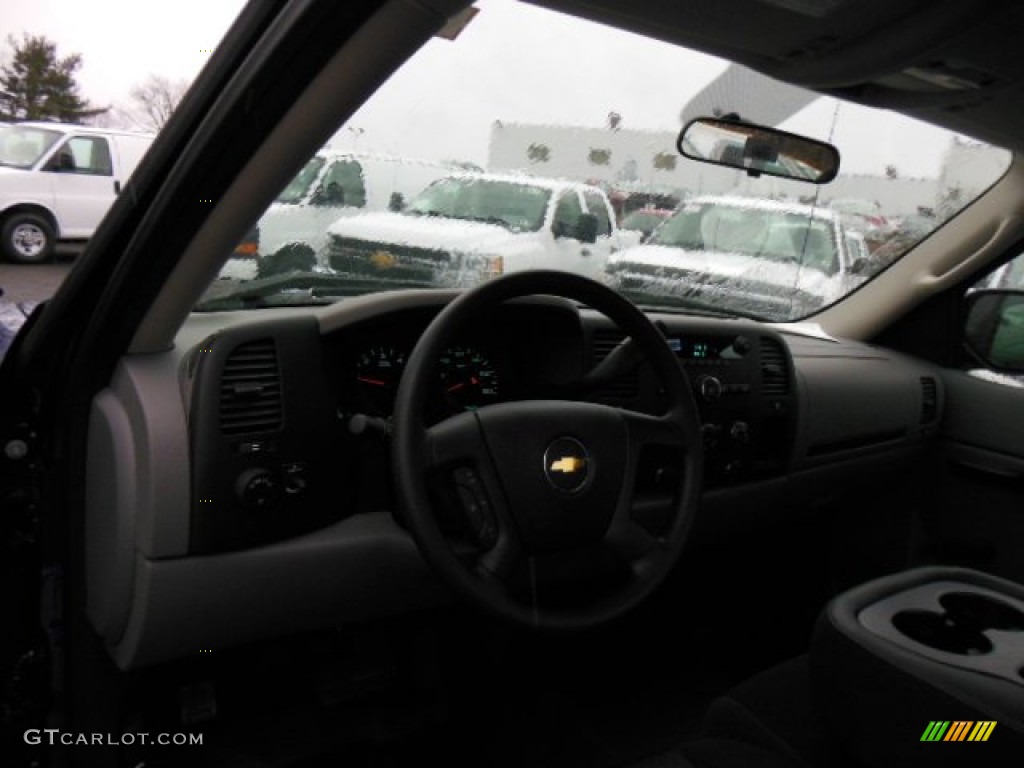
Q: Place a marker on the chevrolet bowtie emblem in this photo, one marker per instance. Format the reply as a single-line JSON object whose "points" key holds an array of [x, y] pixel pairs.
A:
{"points": [[382, 259], [568, 464]]}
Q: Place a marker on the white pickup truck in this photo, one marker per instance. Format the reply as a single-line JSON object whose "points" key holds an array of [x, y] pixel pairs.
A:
{"points": [[467, 227]]}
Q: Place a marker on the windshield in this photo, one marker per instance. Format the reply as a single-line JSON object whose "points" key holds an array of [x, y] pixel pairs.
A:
{"points": [[477, 161], [23, 146], [798, 235], [519, 207]]}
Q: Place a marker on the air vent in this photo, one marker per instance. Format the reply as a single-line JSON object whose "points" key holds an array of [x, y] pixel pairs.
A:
{"points": [[625, 387], [250, 390], [774, 371], [929, 400]]}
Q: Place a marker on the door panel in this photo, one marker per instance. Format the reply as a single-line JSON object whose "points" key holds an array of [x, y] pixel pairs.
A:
{"points": [[83, 188], [976, 514]]}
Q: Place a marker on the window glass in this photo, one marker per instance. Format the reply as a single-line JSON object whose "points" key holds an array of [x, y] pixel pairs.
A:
{"points": [[567, 215], [506, 134], [517, 206], [343, 184], [596, 206], [299, 187], [90, 155], [23, 146]]}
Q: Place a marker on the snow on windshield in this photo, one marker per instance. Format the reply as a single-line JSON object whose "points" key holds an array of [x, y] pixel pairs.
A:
{"points": [[473, 160]]}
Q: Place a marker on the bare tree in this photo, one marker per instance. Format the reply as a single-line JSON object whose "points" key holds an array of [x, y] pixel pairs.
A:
{"points": [[154, 99]]}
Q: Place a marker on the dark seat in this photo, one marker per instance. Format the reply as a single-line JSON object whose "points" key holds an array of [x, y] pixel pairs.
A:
{"points": [[769, 721]]}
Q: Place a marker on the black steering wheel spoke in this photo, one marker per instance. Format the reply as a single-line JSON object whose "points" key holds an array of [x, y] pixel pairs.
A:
{"points": [[645, 430], [630, 541], [458, 458]]}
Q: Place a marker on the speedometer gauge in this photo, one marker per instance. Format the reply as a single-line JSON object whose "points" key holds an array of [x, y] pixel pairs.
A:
{"points": [[378, 371], [468, 378]]}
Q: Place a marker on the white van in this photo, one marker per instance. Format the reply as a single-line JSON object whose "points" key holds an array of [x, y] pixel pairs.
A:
{"points": [[57, 182], [332, 185]]}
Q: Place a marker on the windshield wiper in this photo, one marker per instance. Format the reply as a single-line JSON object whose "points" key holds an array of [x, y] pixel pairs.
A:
{"points": [[689, 305], [297, 289]]}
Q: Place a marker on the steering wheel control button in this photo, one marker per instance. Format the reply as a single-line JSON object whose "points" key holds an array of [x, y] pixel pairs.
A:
{"points": [[476, 506], [567, 465]]}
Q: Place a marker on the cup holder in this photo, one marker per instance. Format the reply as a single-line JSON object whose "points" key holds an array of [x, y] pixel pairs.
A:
{"points": [[981, 612], [941, 632]]}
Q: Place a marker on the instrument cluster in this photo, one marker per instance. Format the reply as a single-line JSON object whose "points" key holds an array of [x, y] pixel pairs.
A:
{"points": [[467, 378]]}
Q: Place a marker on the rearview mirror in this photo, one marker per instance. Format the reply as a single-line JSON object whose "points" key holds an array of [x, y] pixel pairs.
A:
{"points": [[758, 150], [994, 331]]}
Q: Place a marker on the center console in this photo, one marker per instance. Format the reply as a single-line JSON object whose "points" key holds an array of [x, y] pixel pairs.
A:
{"points": [[743, 387], [925, 667]]}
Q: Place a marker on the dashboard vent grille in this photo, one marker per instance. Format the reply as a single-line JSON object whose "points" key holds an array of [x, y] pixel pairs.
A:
{"points": [[626, 387], [774, 371], [250, 390], [929, 400]]}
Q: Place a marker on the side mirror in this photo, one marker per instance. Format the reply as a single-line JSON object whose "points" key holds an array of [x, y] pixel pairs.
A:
{"points": [[860, 266], [396, 202], [586, 228], [758, 150], [994, 329]]}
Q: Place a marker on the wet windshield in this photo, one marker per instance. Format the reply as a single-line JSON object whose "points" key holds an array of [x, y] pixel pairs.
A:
{"points": [[23, 146], [802, 236], [473, 161], [298, 188], [518, 206]]}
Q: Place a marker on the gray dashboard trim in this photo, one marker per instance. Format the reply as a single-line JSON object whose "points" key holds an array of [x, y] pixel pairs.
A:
{"points": [[362, 568], [111, 492], [147, 388], [984, 414]]}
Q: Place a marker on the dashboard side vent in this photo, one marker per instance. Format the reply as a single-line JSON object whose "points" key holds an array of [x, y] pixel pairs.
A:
{"points": [[625, 387], [929, 400], [250, 389], [774, 371]]}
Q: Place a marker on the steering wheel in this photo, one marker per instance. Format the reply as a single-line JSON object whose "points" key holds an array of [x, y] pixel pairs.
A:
{"points": [[544, 480]]}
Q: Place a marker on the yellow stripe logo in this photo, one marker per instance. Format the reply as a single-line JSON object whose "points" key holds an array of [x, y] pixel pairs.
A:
{"points": [[958, 730], [568, 464]]}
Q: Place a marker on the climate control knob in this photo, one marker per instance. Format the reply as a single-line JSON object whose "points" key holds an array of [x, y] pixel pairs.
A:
{"points": [[710, 388], [740, 432], [258, 489]]}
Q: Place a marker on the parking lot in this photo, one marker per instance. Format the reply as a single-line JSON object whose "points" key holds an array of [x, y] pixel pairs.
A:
{"points": [[32, 282]]}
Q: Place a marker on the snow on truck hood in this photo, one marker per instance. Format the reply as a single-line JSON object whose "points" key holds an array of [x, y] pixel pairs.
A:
{"points": [[721, 264], [433, 232], [662, 261]]}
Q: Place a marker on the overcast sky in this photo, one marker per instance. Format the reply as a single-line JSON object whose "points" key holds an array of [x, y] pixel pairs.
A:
{"points": [[123, 41]]}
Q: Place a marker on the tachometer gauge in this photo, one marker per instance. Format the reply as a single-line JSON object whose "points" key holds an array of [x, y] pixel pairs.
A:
{"points": [[468, 378], [378, 371]]}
